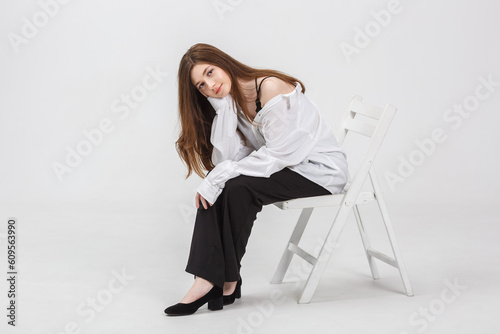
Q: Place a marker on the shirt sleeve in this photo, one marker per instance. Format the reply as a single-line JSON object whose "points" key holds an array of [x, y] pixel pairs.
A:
{"points": [[289, 138], [228, 142], [244, 149]]}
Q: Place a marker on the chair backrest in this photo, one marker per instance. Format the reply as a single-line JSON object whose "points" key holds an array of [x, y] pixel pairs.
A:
{"points": [[367, 120]]}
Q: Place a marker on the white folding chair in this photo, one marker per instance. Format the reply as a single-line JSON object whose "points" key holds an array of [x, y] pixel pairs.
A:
{"points": [[354, 122]]}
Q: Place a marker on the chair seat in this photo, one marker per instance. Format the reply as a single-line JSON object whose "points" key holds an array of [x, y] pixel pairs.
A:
{"points": [[324, 200]]}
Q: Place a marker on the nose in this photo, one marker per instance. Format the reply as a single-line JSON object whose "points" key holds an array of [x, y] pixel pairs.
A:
{"points": [[212, 84]]}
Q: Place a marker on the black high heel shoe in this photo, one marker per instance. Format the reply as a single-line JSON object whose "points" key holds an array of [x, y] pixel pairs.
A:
{"points": [[213, 297], [226, 300]]}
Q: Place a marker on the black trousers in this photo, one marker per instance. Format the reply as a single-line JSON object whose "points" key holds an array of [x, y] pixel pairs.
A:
{"points": [[222, 230]]}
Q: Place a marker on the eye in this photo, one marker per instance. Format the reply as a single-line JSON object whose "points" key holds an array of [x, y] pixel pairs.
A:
{"points": [[208, 73]]}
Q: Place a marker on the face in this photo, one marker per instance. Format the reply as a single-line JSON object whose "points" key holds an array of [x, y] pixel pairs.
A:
{"points": [[210, 80]]}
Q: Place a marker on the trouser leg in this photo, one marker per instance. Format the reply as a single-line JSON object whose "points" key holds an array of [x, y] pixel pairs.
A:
{"points": [[221, 231]]}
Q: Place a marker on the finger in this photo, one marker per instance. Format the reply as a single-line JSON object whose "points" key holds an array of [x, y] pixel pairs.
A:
{"points": [[197, 200], [204, 203]]}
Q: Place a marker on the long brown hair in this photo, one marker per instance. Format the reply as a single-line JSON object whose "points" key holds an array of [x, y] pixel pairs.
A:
{"points": [[195, 111]]}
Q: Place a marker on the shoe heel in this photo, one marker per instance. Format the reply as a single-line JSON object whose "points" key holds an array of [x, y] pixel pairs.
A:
{"points": [[215, 304], [237, 292]]}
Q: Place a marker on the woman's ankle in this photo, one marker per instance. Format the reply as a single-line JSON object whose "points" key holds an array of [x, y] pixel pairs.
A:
{"points": [[199, 288], [229, 287], [202, 282]]}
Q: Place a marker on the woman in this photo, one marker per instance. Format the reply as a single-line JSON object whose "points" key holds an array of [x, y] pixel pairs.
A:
{"points": [[262, 141]]}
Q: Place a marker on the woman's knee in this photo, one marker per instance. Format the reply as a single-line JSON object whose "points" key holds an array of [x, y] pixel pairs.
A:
{"points": [[238, 183]]}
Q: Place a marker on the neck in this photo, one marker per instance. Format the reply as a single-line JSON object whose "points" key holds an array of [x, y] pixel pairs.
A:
{"points": [[248, 88]]}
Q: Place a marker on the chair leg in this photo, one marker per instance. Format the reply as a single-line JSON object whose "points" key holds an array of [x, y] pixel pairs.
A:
{"points": [[325, 253], [390, 233], [295, 238], [366, 243]]}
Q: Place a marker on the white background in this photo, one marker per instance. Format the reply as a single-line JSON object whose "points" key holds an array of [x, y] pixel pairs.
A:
{"points": [[128, 205]]}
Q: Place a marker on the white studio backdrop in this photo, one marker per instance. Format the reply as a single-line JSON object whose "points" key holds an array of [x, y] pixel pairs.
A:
{"points": [[76, 71], [65, 77], [88, 108]]}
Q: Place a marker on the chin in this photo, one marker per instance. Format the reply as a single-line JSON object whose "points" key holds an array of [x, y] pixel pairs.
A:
{"points": [[222, 94]]}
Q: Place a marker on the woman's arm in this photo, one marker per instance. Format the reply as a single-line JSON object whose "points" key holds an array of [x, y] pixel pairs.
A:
{"points": [[228, 142], [290, 133]]}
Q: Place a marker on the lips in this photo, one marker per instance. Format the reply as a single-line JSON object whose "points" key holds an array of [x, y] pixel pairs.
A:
{"points": [[218, 90]]}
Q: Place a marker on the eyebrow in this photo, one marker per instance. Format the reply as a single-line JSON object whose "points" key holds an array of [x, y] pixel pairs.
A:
{"points": [[203, 75]]}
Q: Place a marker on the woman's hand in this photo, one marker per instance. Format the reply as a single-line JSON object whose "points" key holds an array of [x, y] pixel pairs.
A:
{"points": [[203, 201]]}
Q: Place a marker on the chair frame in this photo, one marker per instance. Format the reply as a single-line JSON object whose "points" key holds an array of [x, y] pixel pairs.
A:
{"points": [[348, 201]]}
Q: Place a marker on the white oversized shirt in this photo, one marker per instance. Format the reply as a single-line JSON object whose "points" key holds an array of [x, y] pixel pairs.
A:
{"points": [[291, 133]]}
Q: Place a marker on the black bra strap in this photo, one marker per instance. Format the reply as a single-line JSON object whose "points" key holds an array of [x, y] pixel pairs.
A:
{"points": [[257, 101]]}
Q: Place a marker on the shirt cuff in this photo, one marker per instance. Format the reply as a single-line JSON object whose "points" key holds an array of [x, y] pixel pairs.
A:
{"points": [[208, 191], [218, 102]]}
